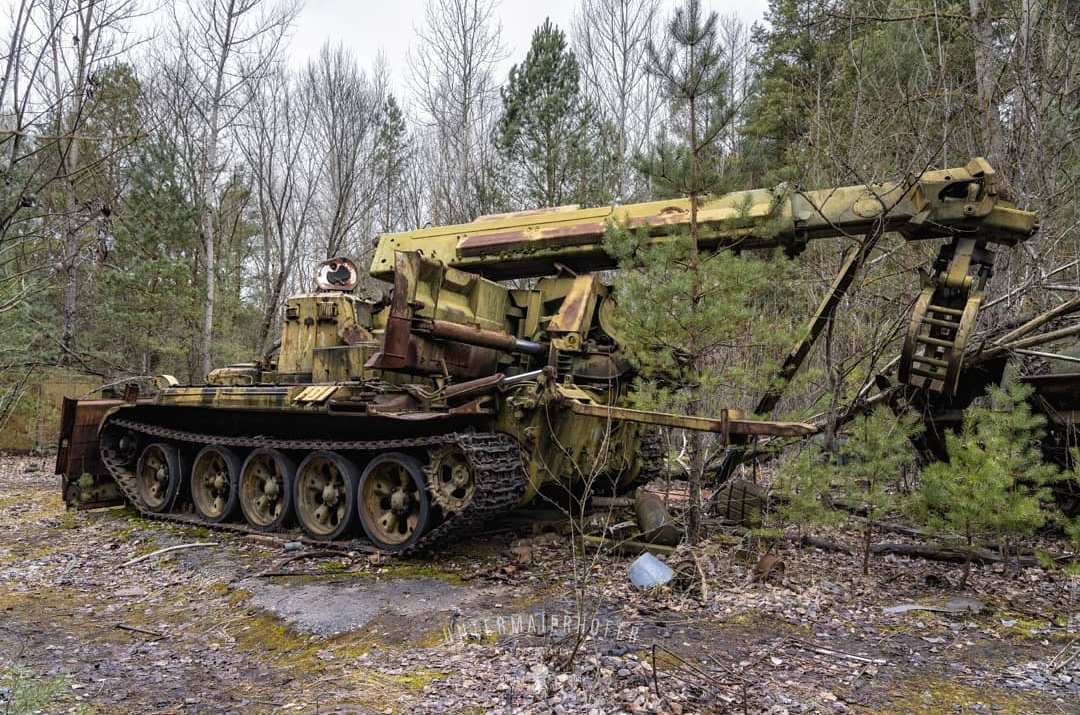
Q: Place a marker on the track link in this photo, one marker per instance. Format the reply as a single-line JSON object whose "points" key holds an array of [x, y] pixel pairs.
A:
{"points": [[652, 459], [494, 458]]}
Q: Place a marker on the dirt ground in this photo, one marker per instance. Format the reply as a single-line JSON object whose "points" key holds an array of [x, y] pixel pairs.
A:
{"points": [[487, 626]]}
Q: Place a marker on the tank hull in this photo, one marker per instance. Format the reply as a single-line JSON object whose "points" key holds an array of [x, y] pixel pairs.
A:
{"points": [[504, 449]]}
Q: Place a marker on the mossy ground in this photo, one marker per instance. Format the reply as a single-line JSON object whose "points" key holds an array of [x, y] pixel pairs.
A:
{"points": [[418, 569], [939, 696], [26, 693], [60, 616]]}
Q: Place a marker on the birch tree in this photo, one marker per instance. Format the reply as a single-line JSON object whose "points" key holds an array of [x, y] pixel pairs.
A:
{"points": [[346, 111], [85, 36], [452, 74], [274, 140], [609, 39], [214, 50]]}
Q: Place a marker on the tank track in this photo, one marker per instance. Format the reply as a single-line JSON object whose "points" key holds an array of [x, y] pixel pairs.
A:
{"points": [[495, 459], [650, 467], [652, 458]]}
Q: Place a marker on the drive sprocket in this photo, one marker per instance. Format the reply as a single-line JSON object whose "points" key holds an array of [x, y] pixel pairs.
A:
{"points": [[450, 479]]}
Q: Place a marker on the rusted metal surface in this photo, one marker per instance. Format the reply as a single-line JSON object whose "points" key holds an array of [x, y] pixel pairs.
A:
{"points": [[1057, 396], [768, 566], [938, 204], [656, 524], [479, 337], [78, 445], [722, 425], [425, 293], [86, 484], [739, 502], [478, 397], [944, 316], [575, 315]]}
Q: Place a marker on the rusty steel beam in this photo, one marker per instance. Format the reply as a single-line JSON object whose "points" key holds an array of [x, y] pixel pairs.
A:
{"points": [[821, 318], [724, 425]]}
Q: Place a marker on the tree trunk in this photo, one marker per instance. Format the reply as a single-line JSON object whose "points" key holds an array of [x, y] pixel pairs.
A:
{"points": [[967, 563], [868, 533], [697, 467], [982, 31], [697, 439], [70, 164], [208, 299], [269, 313], [207, 187], [71, 254]]}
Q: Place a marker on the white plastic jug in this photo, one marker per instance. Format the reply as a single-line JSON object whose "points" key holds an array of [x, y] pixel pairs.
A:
{"points": [[648, 571]]}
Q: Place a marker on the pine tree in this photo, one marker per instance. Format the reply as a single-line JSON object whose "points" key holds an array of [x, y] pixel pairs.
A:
{"points": [[1072, 522], [150, 272], [873, 460], [804, 484], [391, 157], [789, 60], [995, 481], [677, 308], [547, 133]]}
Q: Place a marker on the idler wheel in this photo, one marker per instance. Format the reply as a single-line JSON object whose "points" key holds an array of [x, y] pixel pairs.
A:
{"points": [[266, 489], [214, 481], [324, 494], [394, 507], [157, 476]]}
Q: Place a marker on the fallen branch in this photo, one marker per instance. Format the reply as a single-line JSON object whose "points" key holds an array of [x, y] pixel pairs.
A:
{"points": [[627, 548], [951, 555], [152, 554], [133, 629], [276, 569], [824, 544], [1058, 663], [836, 653], [980, 556], [322, 545]]}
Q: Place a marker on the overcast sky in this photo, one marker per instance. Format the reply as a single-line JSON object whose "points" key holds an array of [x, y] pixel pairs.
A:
{"points": [[371, 26]]}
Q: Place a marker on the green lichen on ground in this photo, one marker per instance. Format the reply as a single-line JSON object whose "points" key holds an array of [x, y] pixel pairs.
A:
{"points": [[757, 619], [333, 567], [69, 520], [433, 638], [308, 657], [27, 552], [1020, 625], [937, 696], [414, 569], [26, 693], [417, 679]]}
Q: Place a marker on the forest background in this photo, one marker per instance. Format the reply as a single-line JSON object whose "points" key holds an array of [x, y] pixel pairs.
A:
{"points": [[161, 196]]}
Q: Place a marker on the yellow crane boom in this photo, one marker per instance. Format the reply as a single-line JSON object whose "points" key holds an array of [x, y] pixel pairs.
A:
{"points": [[965, 200]]}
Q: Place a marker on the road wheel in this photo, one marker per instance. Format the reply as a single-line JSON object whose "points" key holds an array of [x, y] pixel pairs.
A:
{"points": [[324, 494], [157, 476], [394, 507], [215, 475], [266, 489]]}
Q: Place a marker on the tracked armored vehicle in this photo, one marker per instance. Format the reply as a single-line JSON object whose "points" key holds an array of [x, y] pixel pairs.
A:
{"points": [[413, 418]]}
